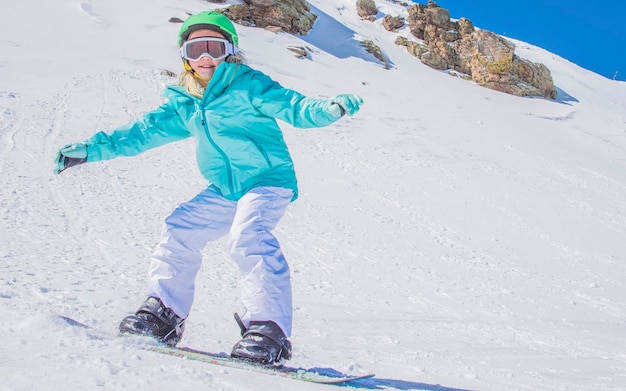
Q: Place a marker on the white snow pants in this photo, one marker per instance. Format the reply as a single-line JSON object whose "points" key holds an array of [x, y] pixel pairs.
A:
{"points": [[265, 284]]}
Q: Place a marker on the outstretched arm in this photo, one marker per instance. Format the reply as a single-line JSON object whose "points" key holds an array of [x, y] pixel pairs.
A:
{"points": [[156, 128], [273, 100]]}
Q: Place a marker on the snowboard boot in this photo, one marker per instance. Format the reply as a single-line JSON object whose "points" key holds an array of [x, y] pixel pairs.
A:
{"points": [[152, 319], [263, 343]]}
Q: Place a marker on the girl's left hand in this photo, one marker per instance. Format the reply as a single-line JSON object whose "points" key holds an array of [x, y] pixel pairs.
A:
{"points": [[348, 103], [69, 156]]}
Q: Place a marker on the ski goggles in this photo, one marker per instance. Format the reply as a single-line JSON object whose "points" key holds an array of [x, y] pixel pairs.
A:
{"points": [[216, 48]]}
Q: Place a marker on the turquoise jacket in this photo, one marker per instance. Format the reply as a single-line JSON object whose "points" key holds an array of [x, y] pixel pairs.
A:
{"points": [[239, 145]]}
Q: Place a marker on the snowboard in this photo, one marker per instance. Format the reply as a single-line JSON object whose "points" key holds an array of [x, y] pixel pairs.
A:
{"points": [[313, 375]]}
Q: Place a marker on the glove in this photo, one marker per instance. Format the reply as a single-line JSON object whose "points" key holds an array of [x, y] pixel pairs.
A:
{"points": [[69, 156], [345, 104]]}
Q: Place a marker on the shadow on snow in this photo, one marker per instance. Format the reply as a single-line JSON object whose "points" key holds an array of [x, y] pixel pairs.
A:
{"points": [[336, 39], [375, 383]]}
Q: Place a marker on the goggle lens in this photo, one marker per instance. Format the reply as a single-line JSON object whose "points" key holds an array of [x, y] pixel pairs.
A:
{"points": [[215, 48]]}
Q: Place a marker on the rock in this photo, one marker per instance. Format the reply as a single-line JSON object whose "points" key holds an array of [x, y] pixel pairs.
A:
{"points": [[536, 75], [274, 29], [465, 27], [417, 20], [293, 16], [374, 50], [366, 8], [300, 51], [392, 23], [239, 13], [412, 47], [490, 58]]}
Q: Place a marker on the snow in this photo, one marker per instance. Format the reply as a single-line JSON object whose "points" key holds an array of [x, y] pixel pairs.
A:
{"points": [[447, 237]]}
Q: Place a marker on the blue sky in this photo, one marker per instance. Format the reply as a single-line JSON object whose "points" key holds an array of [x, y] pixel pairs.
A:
{"points": [[591, 34]]}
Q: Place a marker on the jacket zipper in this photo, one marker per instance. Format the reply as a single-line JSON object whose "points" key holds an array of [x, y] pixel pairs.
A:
{"points": [[229, 170]]}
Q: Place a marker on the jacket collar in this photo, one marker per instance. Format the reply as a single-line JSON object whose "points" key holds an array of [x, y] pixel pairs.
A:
{"points": [[224, 75]]}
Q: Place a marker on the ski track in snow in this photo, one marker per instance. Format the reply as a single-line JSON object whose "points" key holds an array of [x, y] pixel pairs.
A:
{"points": [[447, 237]]}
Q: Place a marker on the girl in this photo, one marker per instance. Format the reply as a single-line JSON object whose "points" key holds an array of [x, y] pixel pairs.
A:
{"points": [[231, 111]]}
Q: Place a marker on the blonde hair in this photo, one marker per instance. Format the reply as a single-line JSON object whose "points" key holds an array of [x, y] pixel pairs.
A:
{"points": [[196, 86]]}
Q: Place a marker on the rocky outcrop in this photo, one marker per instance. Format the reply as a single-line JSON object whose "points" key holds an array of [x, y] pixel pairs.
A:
{"points": [[483, 56], [292, 16], [478, 55]]}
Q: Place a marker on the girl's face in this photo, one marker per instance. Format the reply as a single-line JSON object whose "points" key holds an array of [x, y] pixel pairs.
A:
{"points": [[205, 66]]}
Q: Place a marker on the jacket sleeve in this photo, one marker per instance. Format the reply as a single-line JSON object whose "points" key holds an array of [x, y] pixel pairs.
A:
{"points": [[156, 128], [273, 100]]}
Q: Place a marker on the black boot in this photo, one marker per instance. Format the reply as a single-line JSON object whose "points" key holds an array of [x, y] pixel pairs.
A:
{"points": [[262, 343], [152, 319]]}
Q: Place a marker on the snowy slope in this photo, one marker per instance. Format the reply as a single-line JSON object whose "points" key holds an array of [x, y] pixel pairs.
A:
{"points": [[448, 237]]}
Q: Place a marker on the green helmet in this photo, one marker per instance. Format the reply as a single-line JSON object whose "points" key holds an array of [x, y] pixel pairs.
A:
{"points": [[208, 20]]}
